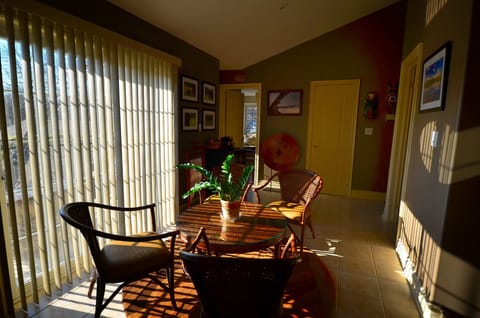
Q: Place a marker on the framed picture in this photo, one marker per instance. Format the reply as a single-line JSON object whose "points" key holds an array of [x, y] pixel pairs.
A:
{"points": [[435, 78], [189, 119], [208, 119], [189, 89], [285, 102], [209, 91]]}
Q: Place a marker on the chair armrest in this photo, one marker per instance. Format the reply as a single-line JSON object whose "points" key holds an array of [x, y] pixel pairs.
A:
{"points": [[259, 187], [200, 235], [133, 238]]}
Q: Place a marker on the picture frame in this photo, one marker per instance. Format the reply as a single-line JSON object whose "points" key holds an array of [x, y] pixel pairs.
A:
{"points": [[208, 119], [286, 102], [208, 93], [189, 119], [189, 86], [435, 79]]}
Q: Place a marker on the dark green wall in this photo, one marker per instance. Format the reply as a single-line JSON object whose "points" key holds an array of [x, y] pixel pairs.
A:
{"points": [[460, 233], [368, 49]]}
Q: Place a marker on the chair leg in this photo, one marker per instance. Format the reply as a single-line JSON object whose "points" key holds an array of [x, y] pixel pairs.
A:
{"points": [[310, 226], [93, 279], [302, 235], [99, 298], [171, 285]]}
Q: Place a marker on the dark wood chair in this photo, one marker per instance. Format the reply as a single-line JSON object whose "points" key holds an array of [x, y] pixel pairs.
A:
{"points": [[298, 188], [123, 259], [195, 155], [237, 286]]}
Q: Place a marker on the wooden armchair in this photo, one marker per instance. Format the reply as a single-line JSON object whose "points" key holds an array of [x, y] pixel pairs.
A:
{"points": [[237, 286], [124, 258], [298, 188]]}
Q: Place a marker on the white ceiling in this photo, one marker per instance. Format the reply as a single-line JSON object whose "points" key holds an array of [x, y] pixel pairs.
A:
{"points": [[240, 33]]}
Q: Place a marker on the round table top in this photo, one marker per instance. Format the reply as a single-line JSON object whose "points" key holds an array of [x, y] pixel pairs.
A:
{"points": [[258, 227]]}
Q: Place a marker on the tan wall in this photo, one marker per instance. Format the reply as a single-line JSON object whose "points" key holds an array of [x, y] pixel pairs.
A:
{"points": [[369, 49]]}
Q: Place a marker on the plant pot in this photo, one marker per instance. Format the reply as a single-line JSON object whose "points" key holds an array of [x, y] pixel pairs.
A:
{"points": [[230, 210]]}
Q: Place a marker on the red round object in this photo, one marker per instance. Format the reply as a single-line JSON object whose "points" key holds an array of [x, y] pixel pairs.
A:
{"points": [[280, 152]]}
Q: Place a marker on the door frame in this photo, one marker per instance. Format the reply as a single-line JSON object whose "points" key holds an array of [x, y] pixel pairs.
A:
{"points": [[408, 94], [222, 114], [356, 84]]}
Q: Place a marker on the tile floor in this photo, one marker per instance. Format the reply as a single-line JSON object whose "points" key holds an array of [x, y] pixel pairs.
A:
{"points": [[354, 242]]}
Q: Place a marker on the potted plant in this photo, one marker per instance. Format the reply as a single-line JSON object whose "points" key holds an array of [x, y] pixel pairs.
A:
{"points": [[228, 189]]}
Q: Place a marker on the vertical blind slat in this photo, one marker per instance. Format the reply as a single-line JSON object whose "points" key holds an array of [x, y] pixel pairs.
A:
{"points": [[84, 175], [65, 170], [22, 171], [72, 126], [33, 155], [47, 109]]}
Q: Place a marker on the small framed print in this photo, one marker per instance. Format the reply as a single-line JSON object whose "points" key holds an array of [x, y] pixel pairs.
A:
{"points": [[189, 119], [208, 95], [189, 89], [208, 119], [285, 102], [435, 78]]}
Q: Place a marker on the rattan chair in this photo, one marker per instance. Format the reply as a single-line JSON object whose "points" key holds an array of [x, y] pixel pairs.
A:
{"points": [[123, 259], [237, 286], [297, 188]]}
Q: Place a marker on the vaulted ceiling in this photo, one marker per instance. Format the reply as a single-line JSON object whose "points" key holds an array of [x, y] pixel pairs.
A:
{"points": [[240, 33]]}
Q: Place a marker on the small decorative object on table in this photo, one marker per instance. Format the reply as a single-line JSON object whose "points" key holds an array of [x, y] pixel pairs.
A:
{"points": [[228, 189]]}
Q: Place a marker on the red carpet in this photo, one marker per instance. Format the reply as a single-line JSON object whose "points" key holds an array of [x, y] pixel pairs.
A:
{"points": [[310, 293]]}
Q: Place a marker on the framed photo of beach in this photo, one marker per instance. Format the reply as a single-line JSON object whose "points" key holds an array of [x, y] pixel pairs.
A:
{"points": [[285, 102], [435, 78]]}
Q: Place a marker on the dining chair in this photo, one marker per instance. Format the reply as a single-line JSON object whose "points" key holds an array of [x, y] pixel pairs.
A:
{"points": [[237, 286], [195, 155], [297, 188], [122, 259]]}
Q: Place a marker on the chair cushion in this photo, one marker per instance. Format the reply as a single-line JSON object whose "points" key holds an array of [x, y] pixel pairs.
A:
{"points": [[291, 210], [129, 260]]}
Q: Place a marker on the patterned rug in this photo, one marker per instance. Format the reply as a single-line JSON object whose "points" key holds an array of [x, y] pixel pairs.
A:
{"points": [[310, 293]]}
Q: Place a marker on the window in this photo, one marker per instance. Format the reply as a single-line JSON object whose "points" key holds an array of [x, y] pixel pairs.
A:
{"points": [[250, 125], [82, 117]]}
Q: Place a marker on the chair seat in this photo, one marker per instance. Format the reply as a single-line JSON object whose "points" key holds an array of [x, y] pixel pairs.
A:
{"points": [[292, 211], [125, 260], [212, 198]]}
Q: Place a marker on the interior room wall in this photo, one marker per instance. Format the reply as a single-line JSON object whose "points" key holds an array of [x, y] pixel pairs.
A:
{"points": [[442, 182], [368, 49]]}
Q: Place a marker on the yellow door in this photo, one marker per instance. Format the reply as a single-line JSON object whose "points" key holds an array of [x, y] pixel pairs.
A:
{"points": [[331, 138], [234, 116]]}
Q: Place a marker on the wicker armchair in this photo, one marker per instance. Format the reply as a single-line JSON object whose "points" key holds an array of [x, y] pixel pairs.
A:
{"points": [[298, 188]]}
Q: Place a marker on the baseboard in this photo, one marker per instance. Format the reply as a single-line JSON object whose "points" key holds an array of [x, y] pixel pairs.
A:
{"points": [[368, 195]]}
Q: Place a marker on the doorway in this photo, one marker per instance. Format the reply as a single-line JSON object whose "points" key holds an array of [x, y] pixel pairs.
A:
{"points": [[410, 76], [239, 117]]}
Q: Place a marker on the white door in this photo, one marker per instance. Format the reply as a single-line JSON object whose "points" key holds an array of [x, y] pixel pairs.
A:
{"points": [[331, 138]]}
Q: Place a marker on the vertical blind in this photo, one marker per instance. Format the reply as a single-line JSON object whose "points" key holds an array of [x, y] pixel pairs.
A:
{"points": [[82, 118]]}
